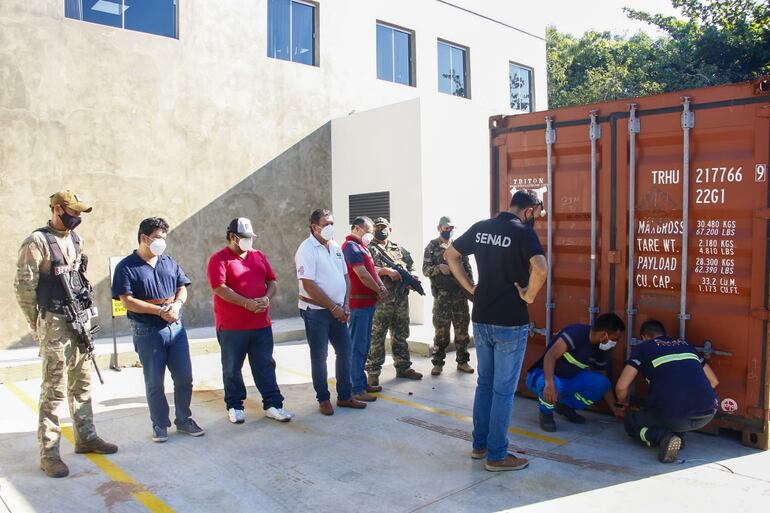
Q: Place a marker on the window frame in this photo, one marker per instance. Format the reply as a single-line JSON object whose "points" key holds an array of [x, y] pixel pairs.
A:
{"points": [[412, 52], [315, 35], [466, 68], [531, 72]]}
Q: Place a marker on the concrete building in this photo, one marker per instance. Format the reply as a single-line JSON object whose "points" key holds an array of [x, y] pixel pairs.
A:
{"points": [[204, 111]]}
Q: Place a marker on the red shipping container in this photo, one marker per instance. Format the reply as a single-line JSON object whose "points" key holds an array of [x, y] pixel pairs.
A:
{"points": [[646, 195]]}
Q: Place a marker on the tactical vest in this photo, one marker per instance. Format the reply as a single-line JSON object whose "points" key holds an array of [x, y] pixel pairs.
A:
{"points": [[50, 293]]}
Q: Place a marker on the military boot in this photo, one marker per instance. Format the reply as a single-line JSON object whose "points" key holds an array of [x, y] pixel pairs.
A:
{"points": [[53, 466], [409, 373], [464, 367], [97, 445], [436, 370], [373, 380]]}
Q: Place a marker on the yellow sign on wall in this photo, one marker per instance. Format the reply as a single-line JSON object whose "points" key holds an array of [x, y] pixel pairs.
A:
{"points": [[117, 306]]}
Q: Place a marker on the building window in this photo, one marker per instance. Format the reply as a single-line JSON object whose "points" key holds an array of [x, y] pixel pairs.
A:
{"points": [[372, 204], [453, 69], [521, 87], [291, 31], [394, 55], [150, 16]]}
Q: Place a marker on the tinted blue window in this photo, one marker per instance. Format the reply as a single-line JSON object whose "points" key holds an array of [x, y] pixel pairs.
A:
{"points": [[291, 31], [402, 66], [384, 53], [521, 87], [452, 70], [394, 55], [103, 12], [150, 16]]}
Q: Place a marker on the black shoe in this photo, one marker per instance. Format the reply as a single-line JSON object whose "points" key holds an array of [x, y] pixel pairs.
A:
{"points": [[570, 414], [547, 423], [669, 448]]}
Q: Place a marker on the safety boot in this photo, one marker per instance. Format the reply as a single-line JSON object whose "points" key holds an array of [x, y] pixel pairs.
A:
{"points": [[53, 466], [669, 448], [97, 445], [547, 423], [570, 414]]}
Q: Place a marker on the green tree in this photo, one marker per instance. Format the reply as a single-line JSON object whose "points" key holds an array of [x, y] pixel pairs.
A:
{"points": [[715, 42]]}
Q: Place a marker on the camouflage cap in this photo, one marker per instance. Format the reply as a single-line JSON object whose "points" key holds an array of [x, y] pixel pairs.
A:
{"points": [[70, 200], [446, 221], [381, 221]]}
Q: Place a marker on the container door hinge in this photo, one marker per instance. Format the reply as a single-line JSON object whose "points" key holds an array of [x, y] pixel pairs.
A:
{"points": [[613, 257], [760, 313]]}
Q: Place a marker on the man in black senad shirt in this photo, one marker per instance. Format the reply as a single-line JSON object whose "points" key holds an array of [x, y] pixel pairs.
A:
{"points": [[512, 269]]}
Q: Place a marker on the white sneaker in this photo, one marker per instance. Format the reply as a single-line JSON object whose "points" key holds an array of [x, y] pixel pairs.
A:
{"points": [[278, 414], [236, 416]]}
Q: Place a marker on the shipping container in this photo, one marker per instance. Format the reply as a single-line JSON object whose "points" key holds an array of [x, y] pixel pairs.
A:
{"points": [[657, 207]]}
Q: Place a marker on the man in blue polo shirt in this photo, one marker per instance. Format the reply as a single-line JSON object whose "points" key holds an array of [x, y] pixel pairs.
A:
{"points": [[512, 269], [681, 396], [153, 288], [571, 373]]}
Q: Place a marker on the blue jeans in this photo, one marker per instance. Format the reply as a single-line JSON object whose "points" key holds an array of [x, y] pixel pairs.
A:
{"points": [[258, 345], [321, 328], [159, 348], [578, 392], [500, 353], [361, 335]]}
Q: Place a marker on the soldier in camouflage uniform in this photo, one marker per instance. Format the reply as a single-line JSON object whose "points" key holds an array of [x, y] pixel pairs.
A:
{"points": [[391, 313], [450, 301], [40, 296]]}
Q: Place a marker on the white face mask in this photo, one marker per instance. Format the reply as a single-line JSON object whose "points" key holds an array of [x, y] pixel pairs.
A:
{"points": [[606, 346], [245, 244], [327, 232], [367, 239], [158, 246]]}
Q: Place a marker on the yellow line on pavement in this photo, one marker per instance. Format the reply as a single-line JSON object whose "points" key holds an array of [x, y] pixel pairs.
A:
{"points": [[140, 493], [446, 413]]}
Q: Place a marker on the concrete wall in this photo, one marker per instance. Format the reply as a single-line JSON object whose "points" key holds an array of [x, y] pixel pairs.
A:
{"points": [[145, 125]]}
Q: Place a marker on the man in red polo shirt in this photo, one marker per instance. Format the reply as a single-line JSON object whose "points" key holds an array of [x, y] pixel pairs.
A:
{"points": [[365, 289], [243, 283]]}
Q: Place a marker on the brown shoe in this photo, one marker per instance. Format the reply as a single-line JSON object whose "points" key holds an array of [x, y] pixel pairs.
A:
{"points": [[326, 408], [479, 454], [363, 396], [373, 379], [436, 370], [409, 373], [370, 389], [53, 466], [510, 462], [351, 403], [464, 367], [97, 445]]}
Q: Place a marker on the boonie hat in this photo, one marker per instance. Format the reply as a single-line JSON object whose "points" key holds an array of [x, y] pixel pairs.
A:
{"points": [[70, 200], [241, 226], [382, 221]]}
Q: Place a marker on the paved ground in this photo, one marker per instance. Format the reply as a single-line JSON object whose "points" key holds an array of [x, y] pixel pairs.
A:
{"points": [[409, 451]]}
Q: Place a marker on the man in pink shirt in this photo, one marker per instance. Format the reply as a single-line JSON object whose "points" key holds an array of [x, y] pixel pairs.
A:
{"points": [[366, 289], [243, 283]]}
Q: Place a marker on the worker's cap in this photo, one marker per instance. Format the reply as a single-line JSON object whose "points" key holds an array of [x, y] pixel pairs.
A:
{"points": [[381, 221], [241, 226], [70, 200], [446, 221]]}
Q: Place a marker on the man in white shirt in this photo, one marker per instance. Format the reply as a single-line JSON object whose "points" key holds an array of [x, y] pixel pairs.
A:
{"points": [[324, 289]]}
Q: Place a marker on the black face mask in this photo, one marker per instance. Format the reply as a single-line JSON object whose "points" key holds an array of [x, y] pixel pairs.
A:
{"points": [[381, 234], [446, 235], [69, 222]]}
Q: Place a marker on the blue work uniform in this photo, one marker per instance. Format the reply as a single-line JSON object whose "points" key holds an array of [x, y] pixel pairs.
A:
{"points": [[576, 374], [680, 397]]}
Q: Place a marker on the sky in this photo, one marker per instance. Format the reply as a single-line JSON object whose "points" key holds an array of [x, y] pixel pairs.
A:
{"points": [[578, 16]]}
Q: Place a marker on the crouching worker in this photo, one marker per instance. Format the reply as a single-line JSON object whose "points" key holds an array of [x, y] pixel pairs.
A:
{"points": [[568, 376], [681, 396]]}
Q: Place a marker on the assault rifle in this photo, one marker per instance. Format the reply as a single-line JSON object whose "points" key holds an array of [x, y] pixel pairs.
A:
{"points": [[407, 280], [79, 312]]}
